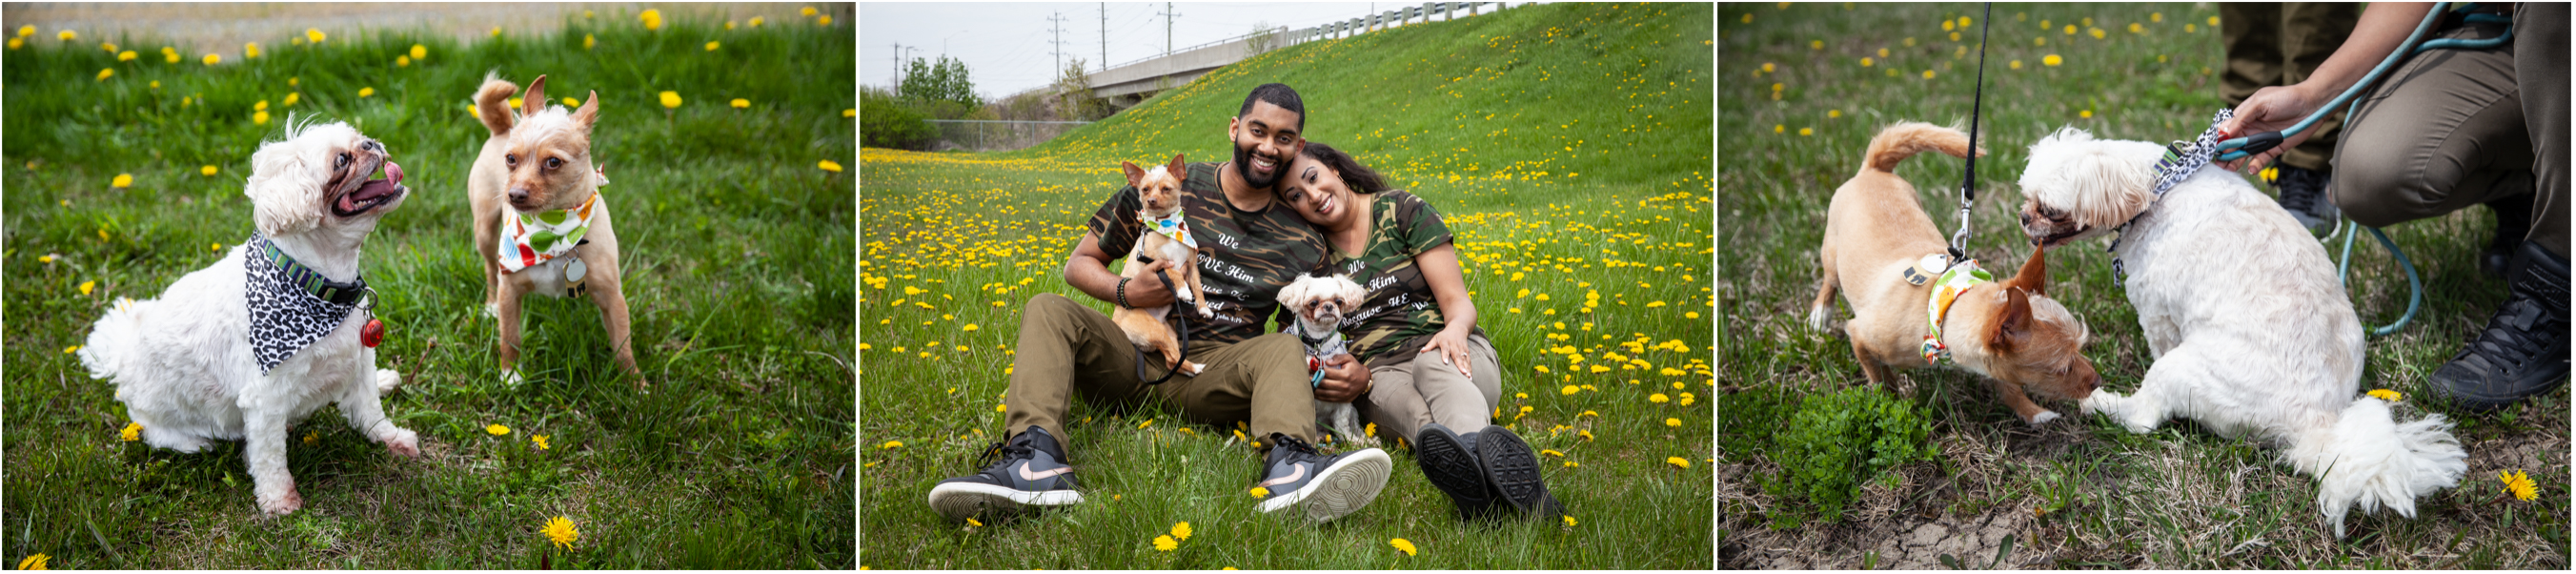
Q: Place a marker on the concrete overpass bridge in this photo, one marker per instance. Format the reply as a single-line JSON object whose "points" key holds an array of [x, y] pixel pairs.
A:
{"points": [[1128, 84]]}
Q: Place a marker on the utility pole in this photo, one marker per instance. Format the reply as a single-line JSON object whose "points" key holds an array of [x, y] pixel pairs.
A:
{"points": [[1059, 41], [1168, 14], [1104, 36], [898, 66]]}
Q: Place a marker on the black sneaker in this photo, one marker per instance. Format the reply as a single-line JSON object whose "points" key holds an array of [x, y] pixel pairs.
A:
{"points": [[1328, 487], [1449, 461], [1512, 470], [1032, 473], [2523, 351], [2303, 193], [2513, 223]]}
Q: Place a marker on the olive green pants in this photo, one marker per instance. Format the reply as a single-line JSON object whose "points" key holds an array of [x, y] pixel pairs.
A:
{"points": [[2278, 44], [2453, 128], [1067, 349]]}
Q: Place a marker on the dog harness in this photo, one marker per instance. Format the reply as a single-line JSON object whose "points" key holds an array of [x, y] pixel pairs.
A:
{"points": [[1172, 227], [531, 239], [1318, 346], [1944, 292], [291, 305], [2181, 159]]}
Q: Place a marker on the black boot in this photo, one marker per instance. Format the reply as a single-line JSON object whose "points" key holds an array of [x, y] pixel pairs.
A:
{"points": [[2303, 194], [2523, 351], [1448, 460], [2513, 222]]}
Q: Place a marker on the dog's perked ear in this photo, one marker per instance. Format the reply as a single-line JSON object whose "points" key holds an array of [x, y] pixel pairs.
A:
{"points": [[588, 113], [1135, 175], [1178, 170], [2013, 324], [535, 100], [2033, 276], [286, 196]]}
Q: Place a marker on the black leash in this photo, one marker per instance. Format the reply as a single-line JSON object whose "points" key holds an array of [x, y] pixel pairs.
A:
{"points": [[1976, 111], [1181, 329]]}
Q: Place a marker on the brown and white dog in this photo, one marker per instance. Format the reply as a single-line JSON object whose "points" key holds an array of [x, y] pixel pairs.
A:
{"points": [[534, 187], [1877, 237], [1321, 302], [1165, 238]]}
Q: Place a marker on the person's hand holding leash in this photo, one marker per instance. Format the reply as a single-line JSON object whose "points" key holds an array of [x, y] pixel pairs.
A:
{"points": [[1146, 292], [2270, 109], [1345, 379]]}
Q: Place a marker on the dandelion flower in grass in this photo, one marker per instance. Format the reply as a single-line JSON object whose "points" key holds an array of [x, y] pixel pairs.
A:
{"points": [[125, 56], [259, 118], [1677, 461], [36, 562], [212, 59], [1806, 131], [250, 50], [291, 98], [2070, 29], [1671, 422], [972, 522], [1658, 398], [830, 166], [1181, 531], [671, 99], [14, 43], [739, 103], [104, 73], [756, 20], [419, 51], [1829, 114], [133, 431], [652, 19], [1927, 74], [1569, 521], [496, 31], [2052, 60], [1777, 128], [996, 408], [711, 46], [121, 180], [314, 34], [808, 11], [560, 530], [2016, 64], [27, 30], [2187, 28], [2213, 21], [852, 113], [1402, 544], [541, 442], [170, 56], [1569, 389], [2084, 114], [66, 35], [402, 61], [1165, 543], [2520, 485], [588, 41], [497, 430], [823, 21]]}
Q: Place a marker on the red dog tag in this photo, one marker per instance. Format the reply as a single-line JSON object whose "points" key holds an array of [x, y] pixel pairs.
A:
{"points": [[373, 333]]}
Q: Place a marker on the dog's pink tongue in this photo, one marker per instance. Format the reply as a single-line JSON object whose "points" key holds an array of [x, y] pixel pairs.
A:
{"points": [[393, 171]]}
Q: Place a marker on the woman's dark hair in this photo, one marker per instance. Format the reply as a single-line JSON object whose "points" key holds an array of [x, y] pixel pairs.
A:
{"points": [[1360, 177]]}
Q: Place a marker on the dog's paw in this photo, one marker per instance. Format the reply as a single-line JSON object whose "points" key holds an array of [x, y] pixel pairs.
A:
{"points": [[387, 381], [1820, 318], [1206, 312], [282, 502], [1184, 295], [403, 442], [492, 310], [510, 377], [1192, 369], [2042, 418]]}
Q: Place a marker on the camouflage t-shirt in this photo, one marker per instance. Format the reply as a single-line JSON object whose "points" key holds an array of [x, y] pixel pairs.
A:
{"points": [[1400, 314], [1245, 257]]}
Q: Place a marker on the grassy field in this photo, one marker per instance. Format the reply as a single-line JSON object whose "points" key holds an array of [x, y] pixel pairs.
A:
{"points": [[737, 264], [1567, 147], [1798, 105]]}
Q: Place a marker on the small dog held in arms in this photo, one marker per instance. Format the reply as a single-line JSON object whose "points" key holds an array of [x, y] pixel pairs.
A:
{"points": [[1166, 238], [279, 327], [2252, 334], [1320, 302], [539, 219], [1912, 307]]}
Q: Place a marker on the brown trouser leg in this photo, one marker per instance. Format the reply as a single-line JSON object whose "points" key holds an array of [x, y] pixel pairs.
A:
{"points": [[2540, 64], [2445, 131], [2279, 44], [1066, 348], [1405, 396]]}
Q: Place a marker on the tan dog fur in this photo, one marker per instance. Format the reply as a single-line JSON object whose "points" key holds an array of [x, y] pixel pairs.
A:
{"points": [[1159, 189], [554, 171], [2007, 330]]}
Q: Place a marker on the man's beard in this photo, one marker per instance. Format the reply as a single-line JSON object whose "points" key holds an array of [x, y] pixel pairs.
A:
{"points": [[1243, 168]]}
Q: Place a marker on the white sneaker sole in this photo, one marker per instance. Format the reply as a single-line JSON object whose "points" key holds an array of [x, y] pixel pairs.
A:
{"points": [[1343, 488], [959, 501]]}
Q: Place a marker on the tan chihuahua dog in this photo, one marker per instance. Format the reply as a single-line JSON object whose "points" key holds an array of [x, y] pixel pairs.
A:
{"points": [[538, 217], [1166, 237], [1911, 307]]}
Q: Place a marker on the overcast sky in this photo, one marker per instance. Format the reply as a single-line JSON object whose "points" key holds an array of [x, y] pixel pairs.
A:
{"points": [[1009, 46]]}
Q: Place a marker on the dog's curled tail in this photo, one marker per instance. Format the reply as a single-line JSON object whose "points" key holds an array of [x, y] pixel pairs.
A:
{"points": [[2367, 458], [1904, 139], [112, 340], [492, 104]]}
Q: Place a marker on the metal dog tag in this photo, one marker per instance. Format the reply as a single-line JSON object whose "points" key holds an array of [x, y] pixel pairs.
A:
{"points": [[574, 271], [1926, 269]]}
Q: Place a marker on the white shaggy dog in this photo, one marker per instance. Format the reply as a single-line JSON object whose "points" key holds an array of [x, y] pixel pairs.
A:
{"points": [[2252, 335], [242, 349], [1321, 302]]}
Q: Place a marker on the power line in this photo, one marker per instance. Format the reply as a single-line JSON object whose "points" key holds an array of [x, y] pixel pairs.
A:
{"points": [[1168, 15], [1058, 43]]}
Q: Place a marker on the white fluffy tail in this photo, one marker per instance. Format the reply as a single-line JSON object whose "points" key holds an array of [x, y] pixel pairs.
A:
{"points": [[2366, 458], [112, 339]]}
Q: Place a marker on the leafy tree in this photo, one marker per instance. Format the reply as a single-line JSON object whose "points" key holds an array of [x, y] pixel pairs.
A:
{"points": [[1073, 98], [941, 88], [885, 120]]}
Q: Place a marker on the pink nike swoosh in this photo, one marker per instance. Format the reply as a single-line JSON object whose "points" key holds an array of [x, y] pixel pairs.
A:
{"points": [[1042, 475], [1300, 474]]}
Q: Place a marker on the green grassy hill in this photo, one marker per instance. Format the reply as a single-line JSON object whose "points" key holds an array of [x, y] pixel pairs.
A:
{"points": [[1566, 146]]}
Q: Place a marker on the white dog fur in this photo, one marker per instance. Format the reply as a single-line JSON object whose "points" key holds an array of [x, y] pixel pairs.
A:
{"points": [[1320, 303], [183, 365], [2252, 334]]}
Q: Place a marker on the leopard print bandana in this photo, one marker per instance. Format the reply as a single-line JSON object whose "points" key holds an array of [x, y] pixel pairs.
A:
{"points": [[2181, 159], [284, 317]]}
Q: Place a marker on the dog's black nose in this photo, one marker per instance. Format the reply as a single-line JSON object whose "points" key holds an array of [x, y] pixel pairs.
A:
{"points": [[518, 195]]}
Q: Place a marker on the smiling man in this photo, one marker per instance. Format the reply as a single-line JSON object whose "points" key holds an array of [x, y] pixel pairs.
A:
{"points": [[1250, 245]]}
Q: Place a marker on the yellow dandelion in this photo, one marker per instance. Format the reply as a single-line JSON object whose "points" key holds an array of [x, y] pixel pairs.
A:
{"points": [[402, 61], [2213, 21], [2070, 29], [2381, 394], [125, 56], [27, 30], [1678, 462], [996, 408], [541, 442], [849, 112], [808, 11], [560, 530], [756, 20], [671, 99], [587, 41], [830, 166], [363, 92], [652, 19], [250, 50], [2052, 60], [974, 522], [36, 562], [823, 21], [1675, 423], [1658, 398], [1927, 74], [104, 73], [2016, 64], [2520, 484], [1259, 492], [1569, 389], [497, 430], [1806, 131], [259, 118], [133, 432], [291, 98], [314, 35], [212, 59], [419, 51], [1165, 543], [1829, 114], [66, 35], [1181, 531], [2084, 114], [739, 103], [1402, 544], [1569, 520], [15, 43]]}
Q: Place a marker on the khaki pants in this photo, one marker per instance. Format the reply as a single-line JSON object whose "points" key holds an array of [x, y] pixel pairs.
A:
{"points": [[2278, 44], [1405, 396], [1067, 349], [2452, 128]]}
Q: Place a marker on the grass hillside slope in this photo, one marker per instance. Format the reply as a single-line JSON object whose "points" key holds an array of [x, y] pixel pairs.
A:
{"points": [[1567, 148]]}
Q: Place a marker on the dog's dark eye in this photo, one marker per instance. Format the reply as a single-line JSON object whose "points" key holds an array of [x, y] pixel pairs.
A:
{"points": [[344, 159], [553, 162], [511, 159]]}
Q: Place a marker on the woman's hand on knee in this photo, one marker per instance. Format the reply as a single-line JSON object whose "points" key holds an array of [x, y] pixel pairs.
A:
{"points": [[1451, 344]]}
